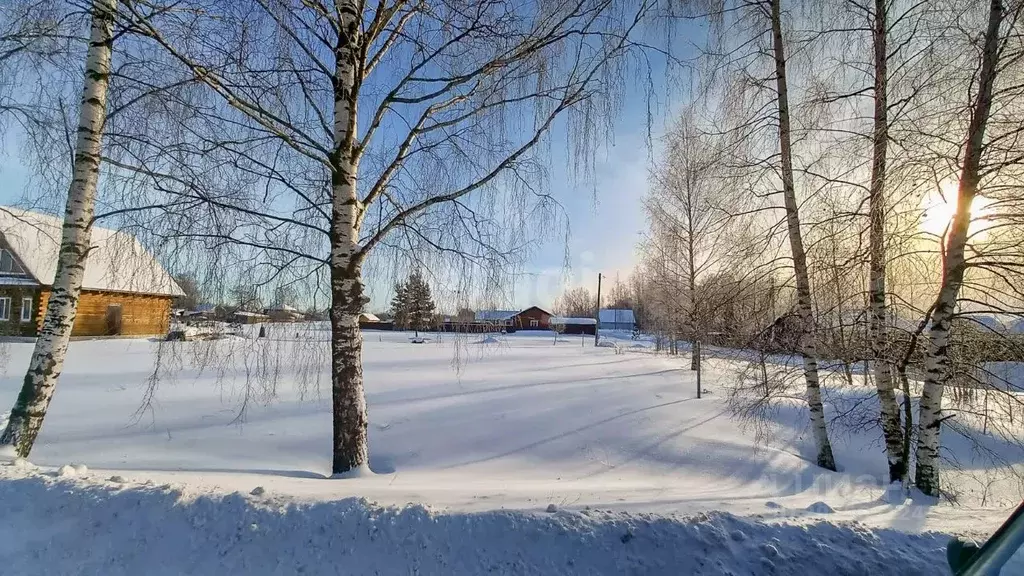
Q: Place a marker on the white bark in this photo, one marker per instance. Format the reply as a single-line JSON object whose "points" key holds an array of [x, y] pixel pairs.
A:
{"points": [[888, 407], [954, 265], [51, 346], [454, 84], [350, 451], [825, 459]]}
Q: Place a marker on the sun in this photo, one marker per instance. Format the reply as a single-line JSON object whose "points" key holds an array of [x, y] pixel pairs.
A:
{"points": [[939, 206]]}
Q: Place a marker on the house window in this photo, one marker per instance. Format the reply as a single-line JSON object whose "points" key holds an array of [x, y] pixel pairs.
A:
{"points": [[26, 309], [8, 265], [5, 308], [534, 323]]}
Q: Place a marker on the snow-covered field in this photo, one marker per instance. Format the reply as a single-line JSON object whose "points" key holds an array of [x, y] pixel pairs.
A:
{"points": [[511, 455]]}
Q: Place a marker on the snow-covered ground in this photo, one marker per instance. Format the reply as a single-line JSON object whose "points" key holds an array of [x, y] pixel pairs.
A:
{"points": [[482, 436]]}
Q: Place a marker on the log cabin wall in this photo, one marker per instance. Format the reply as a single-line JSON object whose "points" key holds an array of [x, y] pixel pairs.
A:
{"points": [[140, 314], [15, 300]]}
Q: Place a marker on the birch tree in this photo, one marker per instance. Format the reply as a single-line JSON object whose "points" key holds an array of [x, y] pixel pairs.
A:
{"points": [[878, 317], [993, 46], [387, 126], [47, 359], [804, 304], [687, 211]]}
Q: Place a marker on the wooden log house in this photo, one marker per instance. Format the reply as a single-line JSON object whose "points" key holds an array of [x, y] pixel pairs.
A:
{"points": [[125, 290]]}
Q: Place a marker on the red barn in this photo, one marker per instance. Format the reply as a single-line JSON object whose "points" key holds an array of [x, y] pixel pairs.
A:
{"points": [[533, 318]]}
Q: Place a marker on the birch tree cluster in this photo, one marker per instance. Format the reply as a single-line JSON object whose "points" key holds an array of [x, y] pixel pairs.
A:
{"points": [[576, 302], [308, 145], [842, 186], [838, 210]]}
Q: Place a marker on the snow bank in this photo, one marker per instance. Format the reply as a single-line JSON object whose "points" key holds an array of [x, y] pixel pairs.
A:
{"points": [[75, 527]]}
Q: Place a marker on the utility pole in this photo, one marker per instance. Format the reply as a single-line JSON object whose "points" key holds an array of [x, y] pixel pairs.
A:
{"points": [[597, 312], [696, 351]]}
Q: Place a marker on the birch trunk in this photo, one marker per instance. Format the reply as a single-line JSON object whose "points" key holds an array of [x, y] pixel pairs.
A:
{"points": [[350, 452], [888, 407], [954, 265], [691, 278], [825, 459], [51, 346]]}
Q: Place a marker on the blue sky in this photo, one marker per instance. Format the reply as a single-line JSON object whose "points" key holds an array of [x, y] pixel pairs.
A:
{"points": [[605, 211], [606, 221], [606, 217]]}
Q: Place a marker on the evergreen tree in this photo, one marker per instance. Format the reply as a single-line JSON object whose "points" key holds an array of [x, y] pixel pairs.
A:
{"points": [[400, 305], [421, 303]]}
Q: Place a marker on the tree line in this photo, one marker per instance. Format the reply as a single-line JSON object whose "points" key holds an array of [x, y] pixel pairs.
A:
{"points": [[844, 186]]}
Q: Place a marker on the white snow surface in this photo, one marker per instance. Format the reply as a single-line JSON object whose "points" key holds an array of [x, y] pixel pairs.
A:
{"points": [[73, 527], [479, 439]]}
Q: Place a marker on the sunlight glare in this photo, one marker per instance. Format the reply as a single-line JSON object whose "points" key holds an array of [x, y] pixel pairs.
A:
{"points": [[939, 206]]}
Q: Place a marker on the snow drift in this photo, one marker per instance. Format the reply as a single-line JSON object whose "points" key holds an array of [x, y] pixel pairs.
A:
{"points": [[91, 526]]}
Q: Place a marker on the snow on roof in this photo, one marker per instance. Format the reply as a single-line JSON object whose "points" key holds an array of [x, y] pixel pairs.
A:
{"points": [[117, 261], [252, 314], [493, 315], [578, 321], [617, 316], [17, 281], [1006, 323], [281, 308], [367, 317]]}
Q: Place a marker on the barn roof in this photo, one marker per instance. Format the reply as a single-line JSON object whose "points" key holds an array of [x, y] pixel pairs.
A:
{"points": [[617, 316], [117, 262], [1005, 323], [560, 321], [495, 315]]}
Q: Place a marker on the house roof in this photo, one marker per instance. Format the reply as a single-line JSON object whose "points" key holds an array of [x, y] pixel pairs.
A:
{"points": [[117, 262], [367, 317], [617, 316], [495, 315], [559, 321], [538, 308], [1004, 323]]}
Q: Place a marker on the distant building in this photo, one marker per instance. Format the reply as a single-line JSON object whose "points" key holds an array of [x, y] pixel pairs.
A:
{"points": [[205, 311], [124, 289], [496, 317], [532, 318], [369, 321], [573, 325], [617, 319], [243, 317], [283, 313]]}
